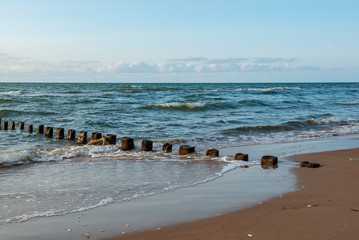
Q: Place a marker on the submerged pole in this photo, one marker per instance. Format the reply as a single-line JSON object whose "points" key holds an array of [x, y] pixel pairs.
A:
{"points": [[21, 126], [60, 132], [147, 145], [40, 129], [30, 128], [71, 133], [12, 125], [127, 144]]}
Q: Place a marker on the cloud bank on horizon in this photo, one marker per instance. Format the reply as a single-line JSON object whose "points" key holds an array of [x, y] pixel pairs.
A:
{"points": [[11, 64]]}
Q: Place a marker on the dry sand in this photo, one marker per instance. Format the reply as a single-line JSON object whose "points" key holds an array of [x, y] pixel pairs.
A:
{"points": [[326, 206]]}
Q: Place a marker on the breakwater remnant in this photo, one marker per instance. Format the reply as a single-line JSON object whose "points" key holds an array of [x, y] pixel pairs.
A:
{"points": [[12, 125], [95, 136], [167, 147], [82, 137], [127, 144], [307, 164], [60, 133], [30, 128], [269, 161], [110, 139], [186, 149], [49, 132], [5, 125], [212, 153], [147, 145], [71, 134], [40, 129], [241, 157]]}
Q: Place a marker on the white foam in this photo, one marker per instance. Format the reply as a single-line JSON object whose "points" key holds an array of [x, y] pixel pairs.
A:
{"points": [[272, 89], [26, 217], [349, 103], [8, 159], [177, 105], [12, 93]]}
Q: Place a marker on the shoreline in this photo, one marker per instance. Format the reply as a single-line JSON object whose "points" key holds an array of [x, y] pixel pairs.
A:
{"points": [[182, 205], [325, 206]]}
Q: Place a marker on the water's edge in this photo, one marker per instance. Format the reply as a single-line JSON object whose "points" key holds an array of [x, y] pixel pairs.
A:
{"points": [[186, 204]]}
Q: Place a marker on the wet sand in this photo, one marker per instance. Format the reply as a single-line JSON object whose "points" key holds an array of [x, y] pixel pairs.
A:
{"points": [[325, 206]]}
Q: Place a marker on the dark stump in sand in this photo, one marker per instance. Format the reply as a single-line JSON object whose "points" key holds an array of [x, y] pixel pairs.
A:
{"points": [[40, 129], [212, 153], [95, 136], [127, 144], [110, 139], [60, 133], [71, 134], [186, 149], [309, 164], [12, 125], [49, 132], [5, 125], [241, 156], [30, 128], [21, 125], [269, 161], [82, 137], [167, 147], [147, 145]]}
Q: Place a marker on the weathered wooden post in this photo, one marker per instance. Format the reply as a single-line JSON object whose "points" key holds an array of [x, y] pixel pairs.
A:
{"points": [[82, 137], [95, 136], [40, 129], [127, 144], [30, 128], [147, 145], [60, 133], [21, 126], [12, 125], [167, 147], [306, 164], [212, 153], [110, 139], [241, 156], [269, 161], [186, 149], [49, 132], [71, 133], [5, 125]]}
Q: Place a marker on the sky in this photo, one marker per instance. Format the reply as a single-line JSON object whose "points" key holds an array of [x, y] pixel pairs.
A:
{"points": [[179, 41]]}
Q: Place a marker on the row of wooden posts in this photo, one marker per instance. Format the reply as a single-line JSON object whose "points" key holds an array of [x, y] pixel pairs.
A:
{"points": [[127, 143]]}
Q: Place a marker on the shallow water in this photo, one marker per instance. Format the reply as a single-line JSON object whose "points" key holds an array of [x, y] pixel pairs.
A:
{"points": [[46, 177]]}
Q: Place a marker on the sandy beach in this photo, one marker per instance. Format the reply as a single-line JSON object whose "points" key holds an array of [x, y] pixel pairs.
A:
{"points": [[325, 206]]}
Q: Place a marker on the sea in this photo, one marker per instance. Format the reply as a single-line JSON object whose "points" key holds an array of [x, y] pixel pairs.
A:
{"points": [[42, 176]]}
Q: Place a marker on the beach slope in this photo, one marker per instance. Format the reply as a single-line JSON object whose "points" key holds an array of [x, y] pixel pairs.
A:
{"points": [[325, 206]]}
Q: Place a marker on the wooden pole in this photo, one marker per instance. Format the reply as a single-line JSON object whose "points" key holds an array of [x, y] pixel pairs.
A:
{"points": [[60, 132], [12, 125], [82, 137], [127, 143], [40, 129], [49, 132], [30, 128], [71, 134], [147, 145]]}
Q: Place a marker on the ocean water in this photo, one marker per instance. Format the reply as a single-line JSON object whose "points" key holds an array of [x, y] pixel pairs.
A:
{"points": [[47, 177]]}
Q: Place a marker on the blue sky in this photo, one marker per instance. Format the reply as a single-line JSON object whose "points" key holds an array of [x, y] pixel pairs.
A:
{"points": [[180, 41]]}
